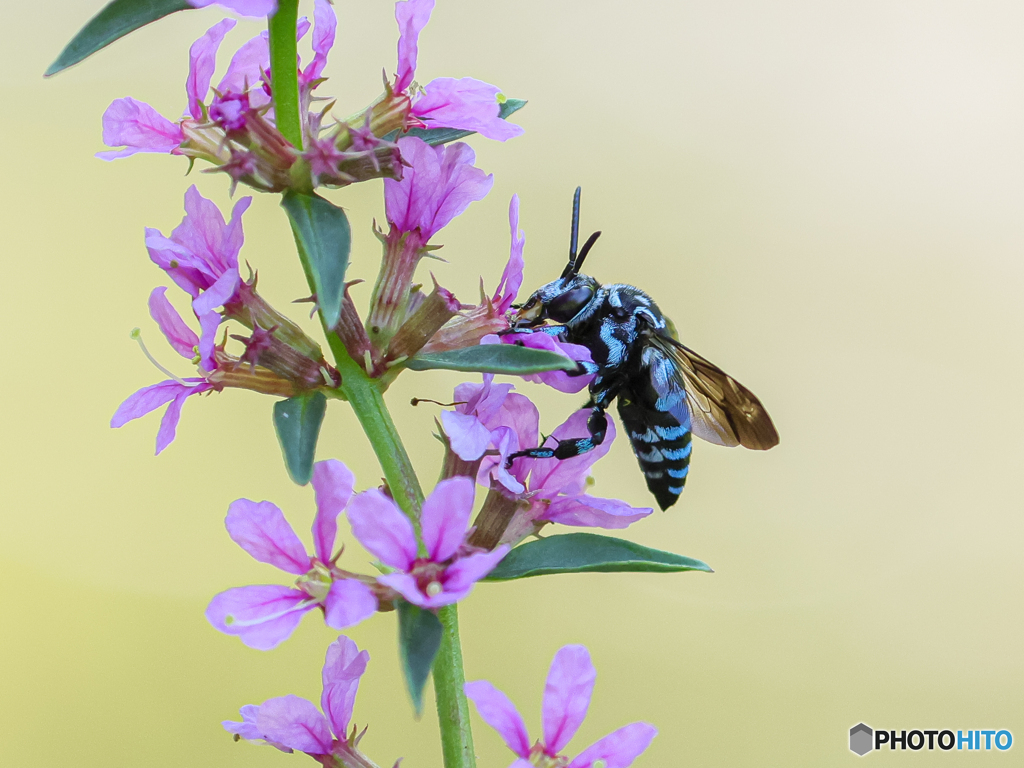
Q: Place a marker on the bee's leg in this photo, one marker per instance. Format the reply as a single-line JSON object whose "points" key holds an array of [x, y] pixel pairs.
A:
{"points": [[583, 368], [597, 426], [549, 330]]}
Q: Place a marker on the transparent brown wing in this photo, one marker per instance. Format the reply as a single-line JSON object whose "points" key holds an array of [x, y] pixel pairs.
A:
{"points": [[722, 410]]}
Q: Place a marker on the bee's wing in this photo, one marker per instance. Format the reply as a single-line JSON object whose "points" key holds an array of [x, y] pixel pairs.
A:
{"points": [[722, 410]]}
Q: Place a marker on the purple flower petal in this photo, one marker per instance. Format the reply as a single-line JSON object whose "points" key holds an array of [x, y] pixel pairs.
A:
{"points": [[139, 128], [468, 437], [512, 276], [466, 104], [145, 400], [507, 444], [262, 616], [348, 603], [218, 294], [333, 483], [619, 748], [445, 517], [567, 695], [569, 476], [189, 273], [440, 184], [209, 322], [343, 667], [460, 577], [169, 422], [382, 528], [296, 723], [252, 8], [343, 663], [247, 728], [500, 713], [325, 25], [592, 512], [246, 69], [412, 16], [203, 233], [406, 586], [202, 60], [182, 338], [261, 530]]}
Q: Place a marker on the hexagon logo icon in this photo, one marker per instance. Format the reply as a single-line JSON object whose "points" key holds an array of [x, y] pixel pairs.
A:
{"points": [[861, 739]]}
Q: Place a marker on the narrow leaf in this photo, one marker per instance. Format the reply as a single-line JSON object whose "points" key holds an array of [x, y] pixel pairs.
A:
{"points": [[297, 421], [493, 358], [322, 232], [119, 18], [419, 638], [435, 136], [585, 552]]}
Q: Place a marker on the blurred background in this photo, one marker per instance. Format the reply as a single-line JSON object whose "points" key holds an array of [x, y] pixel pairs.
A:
{"points": [[825, 197]]}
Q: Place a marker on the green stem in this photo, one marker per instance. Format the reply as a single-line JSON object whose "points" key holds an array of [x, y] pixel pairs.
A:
{"points": [[449, 677], [452, 706], [368, 403], [284, 74]]}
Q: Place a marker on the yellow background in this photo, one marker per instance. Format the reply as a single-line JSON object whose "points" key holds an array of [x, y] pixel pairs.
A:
{"points": [[826, 197]]}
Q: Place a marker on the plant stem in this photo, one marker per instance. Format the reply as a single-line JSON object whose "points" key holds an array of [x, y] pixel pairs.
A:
{"points": [[367, 400], [368, 403], [449, 677], [284, 75], [452, 706]]}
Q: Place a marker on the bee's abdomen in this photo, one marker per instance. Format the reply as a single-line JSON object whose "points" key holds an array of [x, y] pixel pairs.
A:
{"points": [[662, 446]]}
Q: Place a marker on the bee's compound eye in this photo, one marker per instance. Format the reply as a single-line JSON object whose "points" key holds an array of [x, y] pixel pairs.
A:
{"points": [[566, 306]]}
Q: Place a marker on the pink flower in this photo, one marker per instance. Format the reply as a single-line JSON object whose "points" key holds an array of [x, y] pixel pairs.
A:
{"points": [[251, 8], [440, 184], [137, 127], [491, 415], [547, 490], [324, 29], [512, 276], [291, 723], [490, 315], [447, 573], [173, 391], [556, 487], [466, 104], [201, 256], [567, 695], [264, 616]]}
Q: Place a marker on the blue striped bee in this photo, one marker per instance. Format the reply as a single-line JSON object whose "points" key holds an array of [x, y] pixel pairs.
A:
{"points": [[666, 392]]}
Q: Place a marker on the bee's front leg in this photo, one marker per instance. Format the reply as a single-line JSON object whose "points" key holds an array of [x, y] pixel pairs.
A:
{"points": [[597, 426], [558, 331]]}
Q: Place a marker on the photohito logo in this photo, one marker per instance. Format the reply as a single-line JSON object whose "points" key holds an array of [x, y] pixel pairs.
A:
{"points": [[864, 739]]}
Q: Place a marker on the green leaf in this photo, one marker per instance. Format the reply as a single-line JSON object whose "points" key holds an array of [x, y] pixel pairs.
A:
{"points": [[585, 552], [118, 19], [435, 136], [322, 232], [419, 638], [493, 358], [297, 421]]}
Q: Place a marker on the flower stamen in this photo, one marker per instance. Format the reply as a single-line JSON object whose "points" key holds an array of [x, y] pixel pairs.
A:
{"points": [[136, 335]]}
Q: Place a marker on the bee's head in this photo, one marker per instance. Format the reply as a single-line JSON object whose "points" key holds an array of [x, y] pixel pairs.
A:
{"points": [[560, 300], [563, 299]]}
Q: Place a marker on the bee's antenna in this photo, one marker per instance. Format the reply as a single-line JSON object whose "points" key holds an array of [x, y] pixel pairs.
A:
{"points": [[574, 234], [583, 254]]}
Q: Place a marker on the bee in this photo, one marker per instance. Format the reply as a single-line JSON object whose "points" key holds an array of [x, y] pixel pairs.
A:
{"points": [[665, 392]]}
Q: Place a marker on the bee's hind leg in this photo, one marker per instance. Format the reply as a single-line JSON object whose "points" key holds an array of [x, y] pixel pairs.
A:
{"points": [[597, 426]]}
